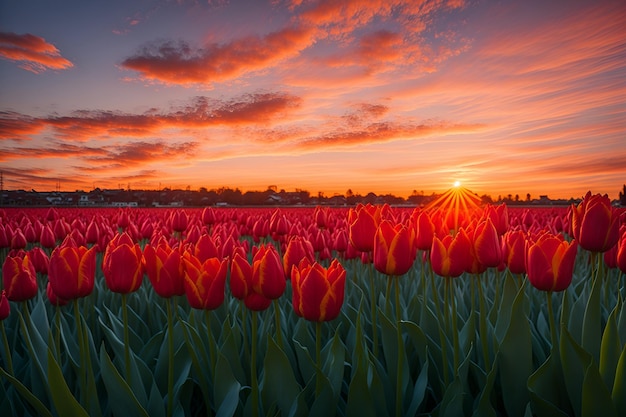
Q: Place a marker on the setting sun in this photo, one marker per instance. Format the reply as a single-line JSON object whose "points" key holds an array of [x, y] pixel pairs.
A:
{"points": [[457, 184]]}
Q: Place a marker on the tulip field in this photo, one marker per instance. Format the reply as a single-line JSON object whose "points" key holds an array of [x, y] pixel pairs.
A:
{"points": [[452, 309]]}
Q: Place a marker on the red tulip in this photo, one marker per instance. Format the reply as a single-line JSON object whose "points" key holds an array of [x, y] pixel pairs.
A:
{"points": [[320, 216], [595, 223], [47, 239], [363, 222], [122, 264], [424, 231], [499, 216], [92, 234], [241, 277], [39, 259], [205, 282], [515, 251], [54, 299], [318, 293], [279, 225], [208, 216], [451, 256], [165, 269], [18, 240], [5, 307], [205, 248], [297, 249], [19, 277], [550, 262], [394, 250], [487, 245], [71, 270], [179, 221], [268, 277], [621, 253]]}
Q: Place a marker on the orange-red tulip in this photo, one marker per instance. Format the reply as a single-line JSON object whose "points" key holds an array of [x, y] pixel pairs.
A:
{"points": [[394, 248], [122, 264], [19, 277], [318, 293], [205, 282], [550, 262], [451, 256], [297, 249], [515, 251], [71, 270], [165, 269], [595, 223], [240, 276]]}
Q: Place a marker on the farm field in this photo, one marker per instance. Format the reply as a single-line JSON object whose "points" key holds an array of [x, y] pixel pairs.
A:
{"points": [[450, 309]]}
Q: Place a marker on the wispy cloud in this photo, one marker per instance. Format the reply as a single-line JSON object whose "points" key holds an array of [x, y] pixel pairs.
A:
{"points": [[201, 111], [33, 53]]}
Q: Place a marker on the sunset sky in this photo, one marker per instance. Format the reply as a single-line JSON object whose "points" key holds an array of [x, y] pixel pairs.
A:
{"points": [[508, 97]]}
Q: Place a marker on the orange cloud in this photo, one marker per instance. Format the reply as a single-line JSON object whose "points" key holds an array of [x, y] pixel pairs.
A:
{"points": [[17, 126], [257, 108], [181, 64], [32, 52]]}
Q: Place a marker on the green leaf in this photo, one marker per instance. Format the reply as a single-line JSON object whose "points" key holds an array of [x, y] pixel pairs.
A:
{"points": [[226, 392], [587, 391], [516, 358], [64, 401], [122, 400], [279, 385], [484, 406], [28, 396], [509, 295], [592, 324], [546, 388], [419, 390], [335, 354], [610, 350], [619, 386], [360, 401]]}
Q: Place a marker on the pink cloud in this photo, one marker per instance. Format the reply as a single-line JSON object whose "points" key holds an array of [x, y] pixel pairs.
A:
{"points": [[32, 52]]}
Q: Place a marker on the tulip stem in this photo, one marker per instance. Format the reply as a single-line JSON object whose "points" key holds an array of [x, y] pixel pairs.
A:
{"points": [[552, 323], [482, 325], [279, 333], [126, 337], [374, 309], [57, 335], [318, 358], [170, 365], [5, 342], [399, 387], [82, 348], [455, 333], [207, 319], [253, 376]]}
